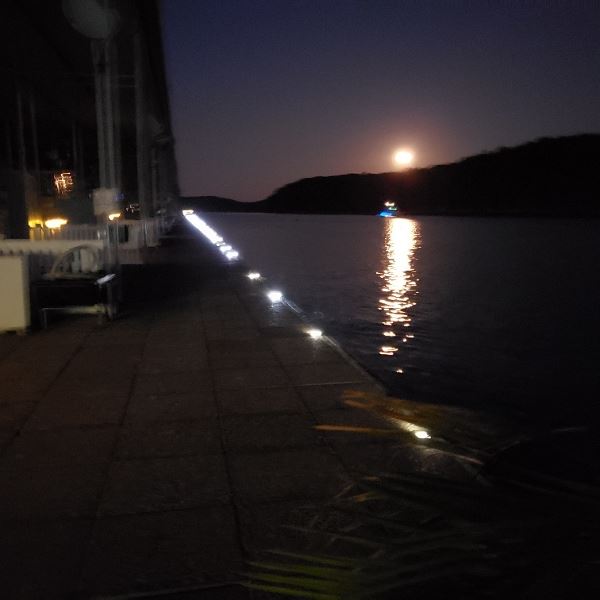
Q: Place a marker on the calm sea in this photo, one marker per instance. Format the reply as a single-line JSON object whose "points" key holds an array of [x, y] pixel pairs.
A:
{"points": [[497, 314]]}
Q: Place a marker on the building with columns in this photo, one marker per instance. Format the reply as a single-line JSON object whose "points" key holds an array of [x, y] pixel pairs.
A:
{"points": [[84, 124]]}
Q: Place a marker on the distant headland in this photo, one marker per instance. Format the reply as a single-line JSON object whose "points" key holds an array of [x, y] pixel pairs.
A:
{"points": [[547, 177]]}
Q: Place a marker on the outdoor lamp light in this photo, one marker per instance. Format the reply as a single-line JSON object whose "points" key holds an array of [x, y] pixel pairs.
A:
{"points": [[275, 296]]}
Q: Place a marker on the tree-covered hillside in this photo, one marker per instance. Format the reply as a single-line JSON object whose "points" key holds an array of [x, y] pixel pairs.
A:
{"points": [[550, 176]]}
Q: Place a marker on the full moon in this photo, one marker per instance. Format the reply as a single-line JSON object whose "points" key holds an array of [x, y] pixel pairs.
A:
{"points": [[404, 157]]}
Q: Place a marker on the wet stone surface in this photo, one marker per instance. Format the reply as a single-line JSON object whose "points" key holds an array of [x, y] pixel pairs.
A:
{"points": [[161, 450]]}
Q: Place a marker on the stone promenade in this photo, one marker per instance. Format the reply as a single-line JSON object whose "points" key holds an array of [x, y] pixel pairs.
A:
{"points": [[153, 455]]}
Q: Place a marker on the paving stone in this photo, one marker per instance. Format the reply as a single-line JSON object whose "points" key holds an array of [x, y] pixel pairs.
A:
{"points": [[368, 459], [87, 407], [24, 385], [178, 318], [171, 407], [227, 354], [29, 354], [242, 360], [286, 474], [259, 400], [218, 348], [269, 431], [166, 521], [172, 383], [63, 341], [237, 315], [99, 383], [174, 359], [172, 339], [13, 416], [255, 300], [9, 395], [58, 447], [269, 526], [232, 321], [162, 552], [230, 333], [160, 484], [155, 352], [295, 330], [185, 334], [8, 343], [298, 351], [106, 360], [5, 439], [220, 301], [130, 321], [182, 314], [373, 457], [42, 559], [264, 310], [117, 336], [353, 417], [33, 372], [321, 373], [330, 396], [152, 439], [268, 319], [53, 493], [250, 378]]}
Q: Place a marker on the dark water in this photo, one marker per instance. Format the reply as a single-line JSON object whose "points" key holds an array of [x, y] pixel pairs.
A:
{"points": [[496, 314]]}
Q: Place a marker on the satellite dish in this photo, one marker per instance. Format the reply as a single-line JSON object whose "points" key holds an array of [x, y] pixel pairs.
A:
{"points": [[91, 18]]}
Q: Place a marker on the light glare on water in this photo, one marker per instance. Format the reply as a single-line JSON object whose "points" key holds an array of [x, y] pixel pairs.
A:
{"points": [[488, 313], [399, 281]]}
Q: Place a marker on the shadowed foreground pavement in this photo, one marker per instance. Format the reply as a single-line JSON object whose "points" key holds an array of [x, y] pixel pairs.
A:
{"points": [[153, 455]]}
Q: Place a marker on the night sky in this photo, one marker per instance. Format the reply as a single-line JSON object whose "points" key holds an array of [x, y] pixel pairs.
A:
{"points": [[266, 92]]}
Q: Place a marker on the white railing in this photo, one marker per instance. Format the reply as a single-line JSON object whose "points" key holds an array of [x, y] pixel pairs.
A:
{"points": [[125, 239], [24, 261], [77, 233], [43, 253]]}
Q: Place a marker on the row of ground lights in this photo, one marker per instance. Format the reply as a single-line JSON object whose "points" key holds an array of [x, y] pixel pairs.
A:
{"points": [[211, 235], [275, 296]]}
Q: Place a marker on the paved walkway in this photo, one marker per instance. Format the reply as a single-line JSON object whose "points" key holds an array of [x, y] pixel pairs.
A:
{"points": [[152, 456]]}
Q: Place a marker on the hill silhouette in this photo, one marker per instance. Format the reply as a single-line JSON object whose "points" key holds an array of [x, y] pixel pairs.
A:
{"points": [[216, 204], [549, 176]]}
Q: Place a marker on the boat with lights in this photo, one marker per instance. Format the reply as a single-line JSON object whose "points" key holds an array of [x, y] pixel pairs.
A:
{"points": [[390, 210]]}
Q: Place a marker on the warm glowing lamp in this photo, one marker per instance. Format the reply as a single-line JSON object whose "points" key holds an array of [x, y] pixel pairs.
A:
{"points": [[55, 223]]}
